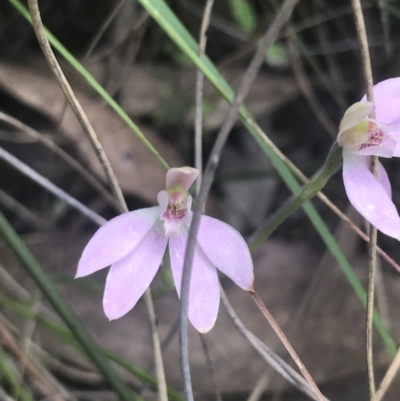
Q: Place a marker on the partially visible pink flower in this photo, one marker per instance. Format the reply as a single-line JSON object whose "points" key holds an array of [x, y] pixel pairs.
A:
{"points": [[134, 244], [362, 137]]}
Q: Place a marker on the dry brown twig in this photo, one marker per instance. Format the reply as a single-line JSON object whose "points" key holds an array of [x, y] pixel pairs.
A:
{"points": [[307, 89], [198, 134], [287, 344], [37, 136], [8, 340], [372, 244]]}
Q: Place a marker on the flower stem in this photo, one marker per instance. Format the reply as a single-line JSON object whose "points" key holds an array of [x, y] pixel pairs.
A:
{"points": [[198, 156], [331, 166], [367, 70]]}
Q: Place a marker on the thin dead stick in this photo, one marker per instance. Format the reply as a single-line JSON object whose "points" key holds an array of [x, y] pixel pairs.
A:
{"points": [[211, 369], [334, 71], [72, 100], [45, 183], [269, 356], [307, 90], [287, 344], [389, 376], [21, 211], [367, 70], [91, 134], [382, 4], [260, 386], [347, 243], [103, 28], [198, 129], [86, 175], [8, 340], [162, 384]]}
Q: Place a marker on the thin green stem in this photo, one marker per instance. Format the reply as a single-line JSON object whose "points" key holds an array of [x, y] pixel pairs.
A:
{"points": [[332, 164]]}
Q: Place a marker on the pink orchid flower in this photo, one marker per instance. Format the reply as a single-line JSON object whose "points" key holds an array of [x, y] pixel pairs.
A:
{"points": [[134, 244], [362, 137]]}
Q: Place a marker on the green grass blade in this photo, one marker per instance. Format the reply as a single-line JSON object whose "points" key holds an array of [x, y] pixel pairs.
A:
{"points": [[7, 375], [244, 15], [65, 312]]}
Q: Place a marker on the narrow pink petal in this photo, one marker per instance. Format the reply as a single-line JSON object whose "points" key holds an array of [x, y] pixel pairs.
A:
{"points": [[185, 176], [204, 284], [354, 115], [384, 180], [227, 250], [386, 98], [368, 195], [116, 239], [129, 278]]}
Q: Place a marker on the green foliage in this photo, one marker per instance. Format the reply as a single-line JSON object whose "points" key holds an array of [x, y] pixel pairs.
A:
{"points": [[277, 56], [244, 15]]}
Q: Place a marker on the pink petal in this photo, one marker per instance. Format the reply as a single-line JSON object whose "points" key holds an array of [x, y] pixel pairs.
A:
{"points": [[395, 125], [204, 284], [384, 180], [185, 176], [368, 195], [129, 278], [116, 239], [227, 250], [396, 137], [387, 95]]}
